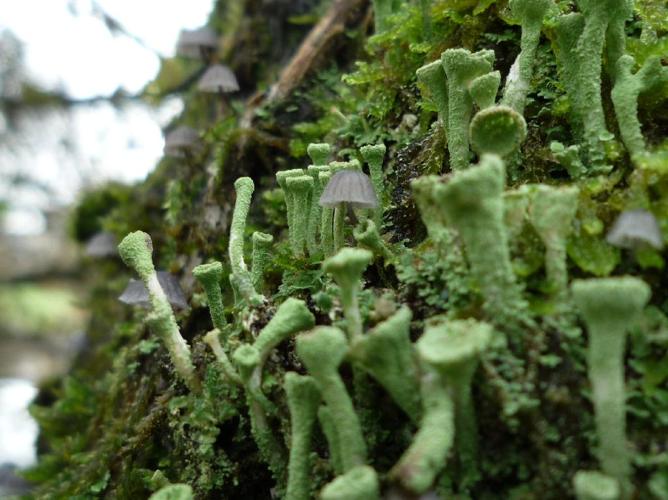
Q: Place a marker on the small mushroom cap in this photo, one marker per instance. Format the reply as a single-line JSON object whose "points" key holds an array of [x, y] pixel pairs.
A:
{"points": [[191, 42], [349, 186], [102, 244], [180, 141], [218, 78], [137, 294], [635, 229]]}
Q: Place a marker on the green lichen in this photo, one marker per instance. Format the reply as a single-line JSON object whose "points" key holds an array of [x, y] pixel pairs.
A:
{"points": [[609, 307]]}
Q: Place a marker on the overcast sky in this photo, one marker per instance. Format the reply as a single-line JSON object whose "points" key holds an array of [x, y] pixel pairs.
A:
{"points": [[68, 47]]}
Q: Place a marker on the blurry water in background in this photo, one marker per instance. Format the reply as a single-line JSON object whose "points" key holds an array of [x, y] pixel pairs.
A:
{"points": [[76, 56]]}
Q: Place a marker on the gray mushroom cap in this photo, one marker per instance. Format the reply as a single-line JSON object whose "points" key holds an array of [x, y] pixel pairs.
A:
{"points": [[635, 229], [349, 186], [136, 294], [218, 78], [180, 141], [102, 244], [192, 42]]}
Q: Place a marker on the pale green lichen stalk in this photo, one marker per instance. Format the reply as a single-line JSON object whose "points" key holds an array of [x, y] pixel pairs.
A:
{"points": [[530, 13], [609, 307], [461, 68], [346, 267], [244, 187], [319, 153], [212, 339], [247, 359], [451, 350], [303, 399], [592, 485], [473, 204], [301, 190], [551, 213], [386, 353], [374, 156], [209, 276], [281, 178], [359, 483], [367, 236], [432, 77], [135, 250], [483, 89], [322, 350], [260, 258], [628, 87]]}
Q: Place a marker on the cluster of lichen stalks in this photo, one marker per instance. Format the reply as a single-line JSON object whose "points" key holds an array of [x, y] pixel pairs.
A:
{"points": [[471, 216]]}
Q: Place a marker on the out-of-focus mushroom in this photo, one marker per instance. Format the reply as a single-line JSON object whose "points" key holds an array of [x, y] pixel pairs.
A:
{"points": [[197, 44], [351, 187], [635, 229], [218, 79], [137, 294], [101, 244], [181, 142]]}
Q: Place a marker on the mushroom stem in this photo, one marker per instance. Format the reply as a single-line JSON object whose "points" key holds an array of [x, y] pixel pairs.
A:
{"points": [[135, 250], [213, 341], [244, 187], [386, 353], [359, 483], [322, 350], [261, 245], [303, 399], [609, 306], [347, 267], [339, 224]]}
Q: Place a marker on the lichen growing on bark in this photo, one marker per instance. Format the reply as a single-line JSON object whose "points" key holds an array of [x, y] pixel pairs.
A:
{"points": [[506, 238]]}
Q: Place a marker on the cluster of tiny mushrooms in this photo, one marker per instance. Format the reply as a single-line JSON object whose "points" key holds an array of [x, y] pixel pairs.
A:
{"points": [[430, 380]]}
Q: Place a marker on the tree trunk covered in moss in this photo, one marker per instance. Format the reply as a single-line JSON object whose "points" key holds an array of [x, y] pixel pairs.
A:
{"points": [[122, 424]]}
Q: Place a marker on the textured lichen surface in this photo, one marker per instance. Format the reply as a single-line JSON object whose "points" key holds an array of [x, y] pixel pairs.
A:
{"points": [[480, 338]]}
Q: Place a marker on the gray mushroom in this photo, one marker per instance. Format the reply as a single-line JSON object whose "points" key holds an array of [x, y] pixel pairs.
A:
{"points": [[349, 186], [197, 44], [218, 79], [181, 142], [102, 244], [136, 294], [635, 229]]}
